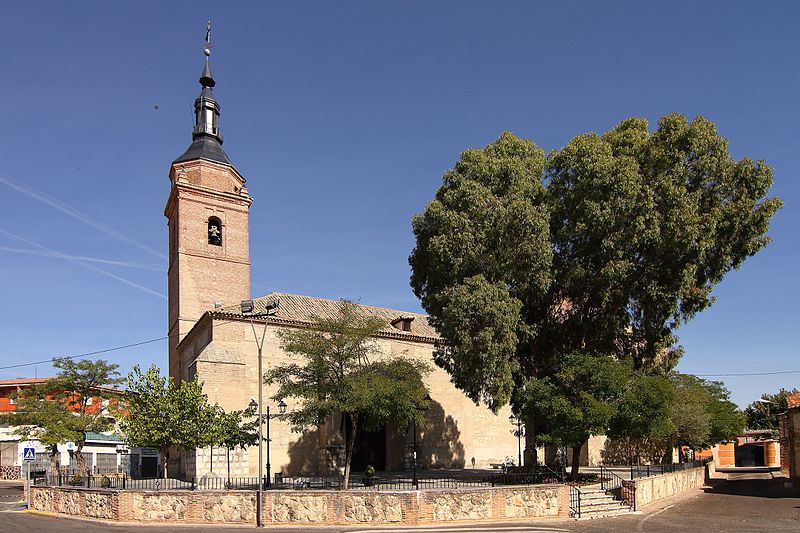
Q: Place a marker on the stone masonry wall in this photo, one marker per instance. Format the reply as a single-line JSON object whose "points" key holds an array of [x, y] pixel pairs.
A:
{"points": [[655, 488], [406, 508]]}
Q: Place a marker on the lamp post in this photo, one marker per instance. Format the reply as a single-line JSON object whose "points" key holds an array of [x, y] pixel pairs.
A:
{"points": [[415, 480], [514, 419], [766, 403], [248, 310]]}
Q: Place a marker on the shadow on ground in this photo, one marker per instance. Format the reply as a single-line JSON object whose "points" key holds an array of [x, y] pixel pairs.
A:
{"points": [[756, 488]]}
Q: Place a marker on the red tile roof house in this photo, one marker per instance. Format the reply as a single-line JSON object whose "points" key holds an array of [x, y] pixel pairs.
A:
{"points": [[103, 451]]}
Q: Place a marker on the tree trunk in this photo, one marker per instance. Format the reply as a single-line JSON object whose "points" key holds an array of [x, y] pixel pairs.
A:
{"points": [[80, 459], [229, 466], [350, 440], [55, 463], [576, 460], [164, 461]]}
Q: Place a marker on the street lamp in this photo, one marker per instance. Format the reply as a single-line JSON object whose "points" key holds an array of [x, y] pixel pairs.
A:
{"points": [[248, 310], [425, 407], [514, 419]]}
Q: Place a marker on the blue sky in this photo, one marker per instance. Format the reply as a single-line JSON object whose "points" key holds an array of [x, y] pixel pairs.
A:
{"points": [[343, 118]]}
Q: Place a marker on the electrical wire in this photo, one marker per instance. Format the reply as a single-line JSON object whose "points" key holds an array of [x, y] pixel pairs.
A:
{"points": [[105, 350]]}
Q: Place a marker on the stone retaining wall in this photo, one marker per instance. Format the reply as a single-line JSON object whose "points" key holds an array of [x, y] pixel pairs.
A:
{"points": [[654, 488], [9, 472], [307, 507]]}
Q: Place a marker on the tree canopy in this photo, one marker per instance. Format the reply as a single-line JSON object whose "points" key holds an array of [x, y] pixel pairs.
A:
{"points": [[702, 413], [160, 414], [578, 400], [763, 413], [334, 374], [63, 409], [603, 247]]}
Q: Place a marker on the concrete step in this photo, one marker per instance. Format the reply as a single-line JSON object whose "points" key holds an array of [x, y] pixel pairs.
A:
{"points": [[591, 515], [598, 503]]}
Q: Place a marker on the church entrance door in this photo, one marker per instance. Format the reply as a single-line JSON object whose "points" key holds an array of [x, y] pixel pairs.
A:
{"points": [[369, 449]]}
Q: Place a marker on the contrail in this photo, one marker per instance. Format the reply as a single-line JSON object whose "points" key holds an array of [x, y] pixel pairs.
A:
{"points": [[74, 259], [42, 253], [68, 210]]}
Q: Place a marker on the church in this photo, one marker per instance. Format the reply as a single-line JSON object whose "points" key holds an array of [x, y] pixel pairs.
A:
{"points": [[210, 338]]}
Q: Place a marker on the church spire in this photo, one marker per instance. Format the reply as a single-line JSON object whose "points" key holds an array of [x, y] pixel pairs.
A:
{"points": [[206, 108], [206, 135]]}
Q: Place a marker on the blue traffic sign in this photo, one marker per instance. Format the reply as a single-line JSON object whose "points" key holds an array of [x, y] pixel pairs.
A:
{"points": [[29, 454]]}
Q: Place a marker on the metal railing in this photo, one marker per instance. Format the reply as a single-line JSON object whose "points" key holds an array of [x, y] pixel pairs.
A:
{"points": [[620, 489], [358, 481], [609, 480], [574, 501], [657, 470]]}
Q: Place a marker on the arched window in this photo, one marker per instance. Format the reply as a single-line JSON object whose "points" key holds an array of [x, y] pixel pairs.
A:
{"points": [[215, 231]]}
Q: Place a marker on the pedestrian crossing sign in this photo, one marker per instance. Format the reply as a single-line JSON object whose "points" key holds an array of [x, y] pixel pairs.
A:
{"points": [[29, 454]]}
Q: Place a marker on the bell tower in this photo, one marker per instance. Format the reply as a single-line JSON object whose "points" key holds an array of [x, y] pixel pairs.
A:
{"points": [[207, 214]]}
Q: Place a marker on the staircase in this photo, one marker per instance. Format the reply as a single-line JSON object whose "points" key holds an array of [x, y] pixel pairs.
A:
{"points": [[596, 503]]}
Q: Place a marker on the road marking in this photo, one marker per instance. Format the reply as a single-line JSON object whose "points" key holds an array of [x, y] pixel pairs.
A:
{"points": [[464, 529], [640, 526]]}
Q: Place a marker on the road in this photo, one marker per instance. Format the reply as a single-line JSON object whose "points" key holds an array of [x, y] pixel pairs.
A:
{"points": [[747, 502]]}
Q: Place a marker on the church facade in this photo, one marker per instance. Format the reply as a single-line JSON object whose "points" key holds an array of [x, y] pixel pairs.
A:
{"points": [[208, 277]]}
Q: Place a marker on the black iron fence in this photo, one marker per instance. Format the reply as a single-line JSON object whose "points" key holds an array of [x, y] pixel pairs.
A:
{"points": [[574, 501], [657, 470], [357, 481]]}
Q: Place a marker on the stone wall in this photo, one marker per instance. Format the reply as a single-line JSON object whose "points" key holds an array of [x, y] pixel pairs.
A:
{"points": [[406, 508], [77, 502], [9, 472], [655, 488]]}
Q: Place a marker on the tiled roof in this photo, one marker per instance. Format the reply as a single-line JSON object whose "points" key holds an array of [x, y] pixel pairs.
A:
{"points": [[35, 381], [22, 381], [299, 309]]}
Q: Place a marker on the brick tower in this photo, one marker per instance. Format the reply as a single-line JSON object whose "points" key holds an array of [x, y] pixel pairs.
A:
{"points": [[207, 213]]}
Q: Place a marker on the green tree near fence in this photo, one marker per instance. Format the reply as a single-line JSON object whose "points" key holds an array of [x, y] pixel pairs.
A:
{"points": [[604, 247], [160, 414], [702, 414], [335, 374], [68, 406], [235, 429], [579, 400], [643, 415]]}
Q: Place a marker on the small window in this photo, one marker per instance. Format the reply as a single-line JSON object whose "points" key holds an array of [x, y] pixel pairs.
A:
{"points": [[214, 231]]}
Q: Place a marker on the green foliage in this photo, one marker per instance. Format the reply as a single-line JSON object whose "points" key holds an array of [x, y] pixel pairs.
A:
{"points": [[643, 409], [702, 413], [59, 410], [369, 471], [604, 247], [236, 428], [764, 414], [334, 374], [160, 414], [578, 400]]}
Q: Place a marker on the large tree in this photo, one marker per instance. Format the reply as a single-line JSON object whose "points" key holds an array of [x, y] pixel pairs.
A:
{"points": [[643, 415], [605, 247], [702, 414], [334, 374], [68, 406], [578, 400], [160, 414]]}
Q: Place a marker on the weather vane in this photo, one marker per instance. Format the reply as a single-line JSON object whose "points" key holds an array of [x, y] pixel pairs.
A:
{"points": [[208, 44]]}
